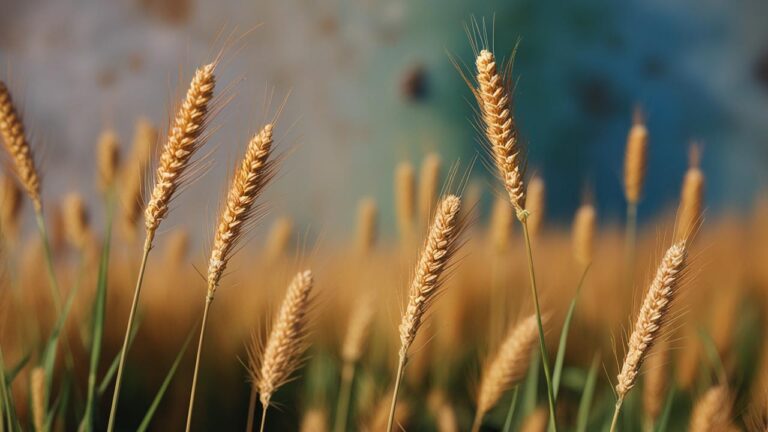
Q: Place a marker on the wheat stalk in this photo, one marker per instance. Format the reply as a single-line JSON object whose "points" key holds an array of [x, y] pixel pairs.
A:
{"points": [[15, 139], [507, 367], [495, 103], [439, 246], [650, 319], [185, 136]]}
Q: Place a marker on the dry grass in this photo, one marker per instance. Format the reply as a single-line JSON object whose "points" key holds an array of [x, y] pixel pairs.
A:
{"points": [[15, 139]]}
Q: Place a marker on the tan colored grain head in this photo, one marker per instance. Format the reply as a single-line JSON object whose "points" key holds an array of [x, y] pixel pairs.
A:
{"points": [[367, 225], [279, 238], [108, 159], [10, 206], [501, 224], [133, 175], [314, 420], [185, 136], [286, 342], [440, 245], [635, 160], [535, 203], [713, 411], [495, 101], [76, 221], [508, 366], [653, 314], [359, 328], [583, 234], [239, 210], [691, 203], [655, 380], [536, 421], [405, 198], [37, 387], [429, 180], [15, 139]]}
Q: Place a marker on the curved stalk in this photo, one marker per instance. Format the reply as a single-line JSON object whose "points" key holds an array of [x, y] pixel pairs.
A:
{"points": [[398, 379], [208, 301]]}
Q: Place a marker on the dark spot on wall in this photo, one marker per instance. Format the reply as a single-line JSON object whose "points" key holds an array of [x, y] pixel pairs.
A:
{"points": [[761, 69], [414, 84], [595, 95], [654, 67]]}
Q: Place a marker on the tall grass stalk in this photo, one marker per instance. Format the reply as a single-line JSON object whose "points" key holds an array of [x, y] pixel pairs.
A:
{"points": [[208, 301]]}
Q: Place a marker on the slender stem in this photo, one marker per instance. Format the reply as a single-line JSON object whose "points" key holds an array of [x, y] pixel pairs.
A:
{"points": [[511, 412], [263, 417], [542, 342], [131, 316], [342, 407], [630, 241], [398, 379], [251, 408], [55, 293], [208, 301], [616, 414]]}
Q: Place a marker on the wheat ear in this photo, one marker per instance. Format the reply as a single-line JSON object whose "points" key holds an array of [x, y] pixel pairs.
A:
{"points": [[583, 233], [185, 136], [713, 411], [440, 245], [14, 137], [649, 324], [635, 159], [405, 199], [108, 159], [10, 207], [507, 367], [495, 103], [691, 199], [237, 216], [37, 387], [75, 221], [367, 225], [286, 343]]}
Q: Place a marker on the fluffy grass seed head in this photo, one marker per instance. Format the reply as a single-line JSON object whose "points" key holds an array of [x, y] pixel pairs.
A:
{"points": [[367, 225], [76, 221], [15, 139], [635, 160], [108, 159], [583, 233]]}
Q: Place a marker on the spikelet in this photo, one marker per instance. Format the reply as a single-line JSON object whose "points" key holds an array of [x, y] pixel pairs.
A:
{"points": [[713, 411], [286, 344], [501, 224], [439, 246], [108, 159], [652, 315], [691, 198], [405, 198], [635, 160], [76, 221], [495, 103], [184, 138], [584, 234], [429, 178], [10, 207], [315, 420], [254, 174], [12, 131], [358, 329], [38, 398], [508, 366], [367, 225], [536, 421], [134, 174], [279, 238], [535, 204], [655, 381]]}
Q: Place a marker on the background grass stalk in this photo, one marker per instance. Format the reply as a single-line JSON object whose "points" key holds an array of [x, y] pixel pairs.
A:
{"points": [[48, 253], [345, 392], [129, 326], [630, 242], [523, 216], [208, 301]]}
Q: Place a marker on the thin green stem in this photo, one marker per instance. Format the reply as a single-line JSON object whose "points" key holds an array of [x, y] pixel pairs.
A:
{"points": [[129, 326], [208, 301], [630, 241], [54, 285], [542, 342], [616, 414], [345, 392], [511, 411], [263, 417], [398, 379]]}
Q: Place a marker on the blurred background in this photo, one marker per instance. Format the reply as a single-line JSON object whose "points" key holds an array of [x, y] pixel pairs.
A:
{"points": [[371, 83]]}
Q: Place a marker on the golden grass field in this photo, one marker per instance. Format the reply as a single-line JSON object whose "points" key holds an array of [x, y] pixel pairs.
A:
{"points": [[466, 319]]}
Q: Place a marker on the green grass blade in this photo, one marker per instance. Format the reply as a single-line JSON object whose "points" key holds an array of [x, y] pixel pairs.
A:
{"points": [[560, 359], [586, 396], [11, 374], [531, 390], [168, 378], [661, 424], [97, 325], [60, 404], [110, 374], [511, 412], [710, 349], [8, 412]]}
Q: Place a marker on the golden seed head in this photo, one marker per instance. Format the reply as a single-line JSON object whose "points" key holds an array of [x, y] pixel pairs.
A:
{"points": [[250, 179], [75, 220], [635, 162], [358, 329], [429, 179], [367, 225], [14, 137], [37, 390], [495, 103], [405, 198], [691, 199], [279, 238], [184, 138], [584, 234], [10, 205], [439, 246], [653, 314], [108, 156], [713, 411]]}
